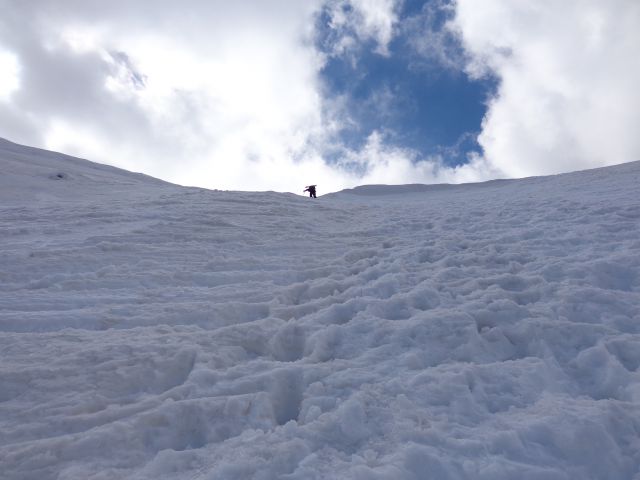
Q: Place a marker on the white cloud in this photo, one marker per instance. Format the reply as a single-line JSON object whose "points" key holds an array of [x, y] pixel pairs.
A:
{"points": [[377, 20], [427, 33], [568, 97], [379, 163], [367, 19], [203, 95], [216, 94], [227, 95], [10, 77]]}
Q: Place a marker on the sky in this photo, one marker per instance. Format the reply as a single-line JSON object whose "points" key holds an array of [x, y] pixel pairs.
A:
{"points": [[279, 94]]}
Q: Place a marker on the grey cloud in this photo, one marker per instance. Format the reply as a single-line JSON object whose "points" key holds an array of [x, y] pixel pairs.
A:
{"points": [[125, 68], [60, 84]]}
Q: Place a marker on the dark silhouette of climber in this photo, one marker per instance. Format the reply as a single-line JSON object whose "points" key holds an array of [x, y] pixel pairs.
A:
{"points": [[312, 191]]}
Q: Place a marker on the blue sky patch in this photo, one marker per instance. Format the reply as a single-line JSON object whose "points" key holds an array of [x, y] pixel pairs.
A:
{"points": [[416, 99]]}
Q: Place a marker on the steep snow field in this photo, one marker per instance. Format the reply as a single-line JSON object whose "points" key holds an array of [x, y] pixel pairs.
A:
{"points": [[150, 331]]}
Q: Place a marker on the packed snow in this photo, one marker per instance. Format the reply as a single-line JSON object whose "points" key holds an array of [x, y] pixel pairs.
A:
{"points": [[482, 331]]}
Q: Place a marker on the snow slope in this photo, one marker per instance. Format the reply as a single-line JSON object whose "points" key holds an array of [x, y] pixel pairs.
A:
{"points": [[150, 331]]}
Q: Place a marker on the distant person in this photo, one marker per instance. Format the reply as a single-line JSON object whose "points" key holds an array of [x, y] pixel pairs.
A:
{"points": [[312, 191]]}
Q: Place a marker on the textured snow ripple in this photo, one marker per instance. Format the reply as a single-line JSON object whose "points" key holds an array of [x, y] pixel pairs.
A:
{"points": [[466, 332]]}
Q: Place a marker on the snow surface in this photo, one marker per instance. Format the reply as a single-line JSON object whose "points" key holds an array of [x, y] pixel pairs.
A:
{"points": [[150, 331]]}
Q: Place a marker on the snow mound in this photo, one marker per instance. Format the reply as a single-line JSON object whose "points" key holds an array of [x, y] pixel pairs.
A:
{"points": [[30, 174], [149, 331]]}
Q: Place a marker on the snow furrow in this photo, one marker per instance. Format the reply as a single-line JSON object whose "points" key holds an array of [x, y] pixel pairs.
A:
{"points": [[480, 331]]}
